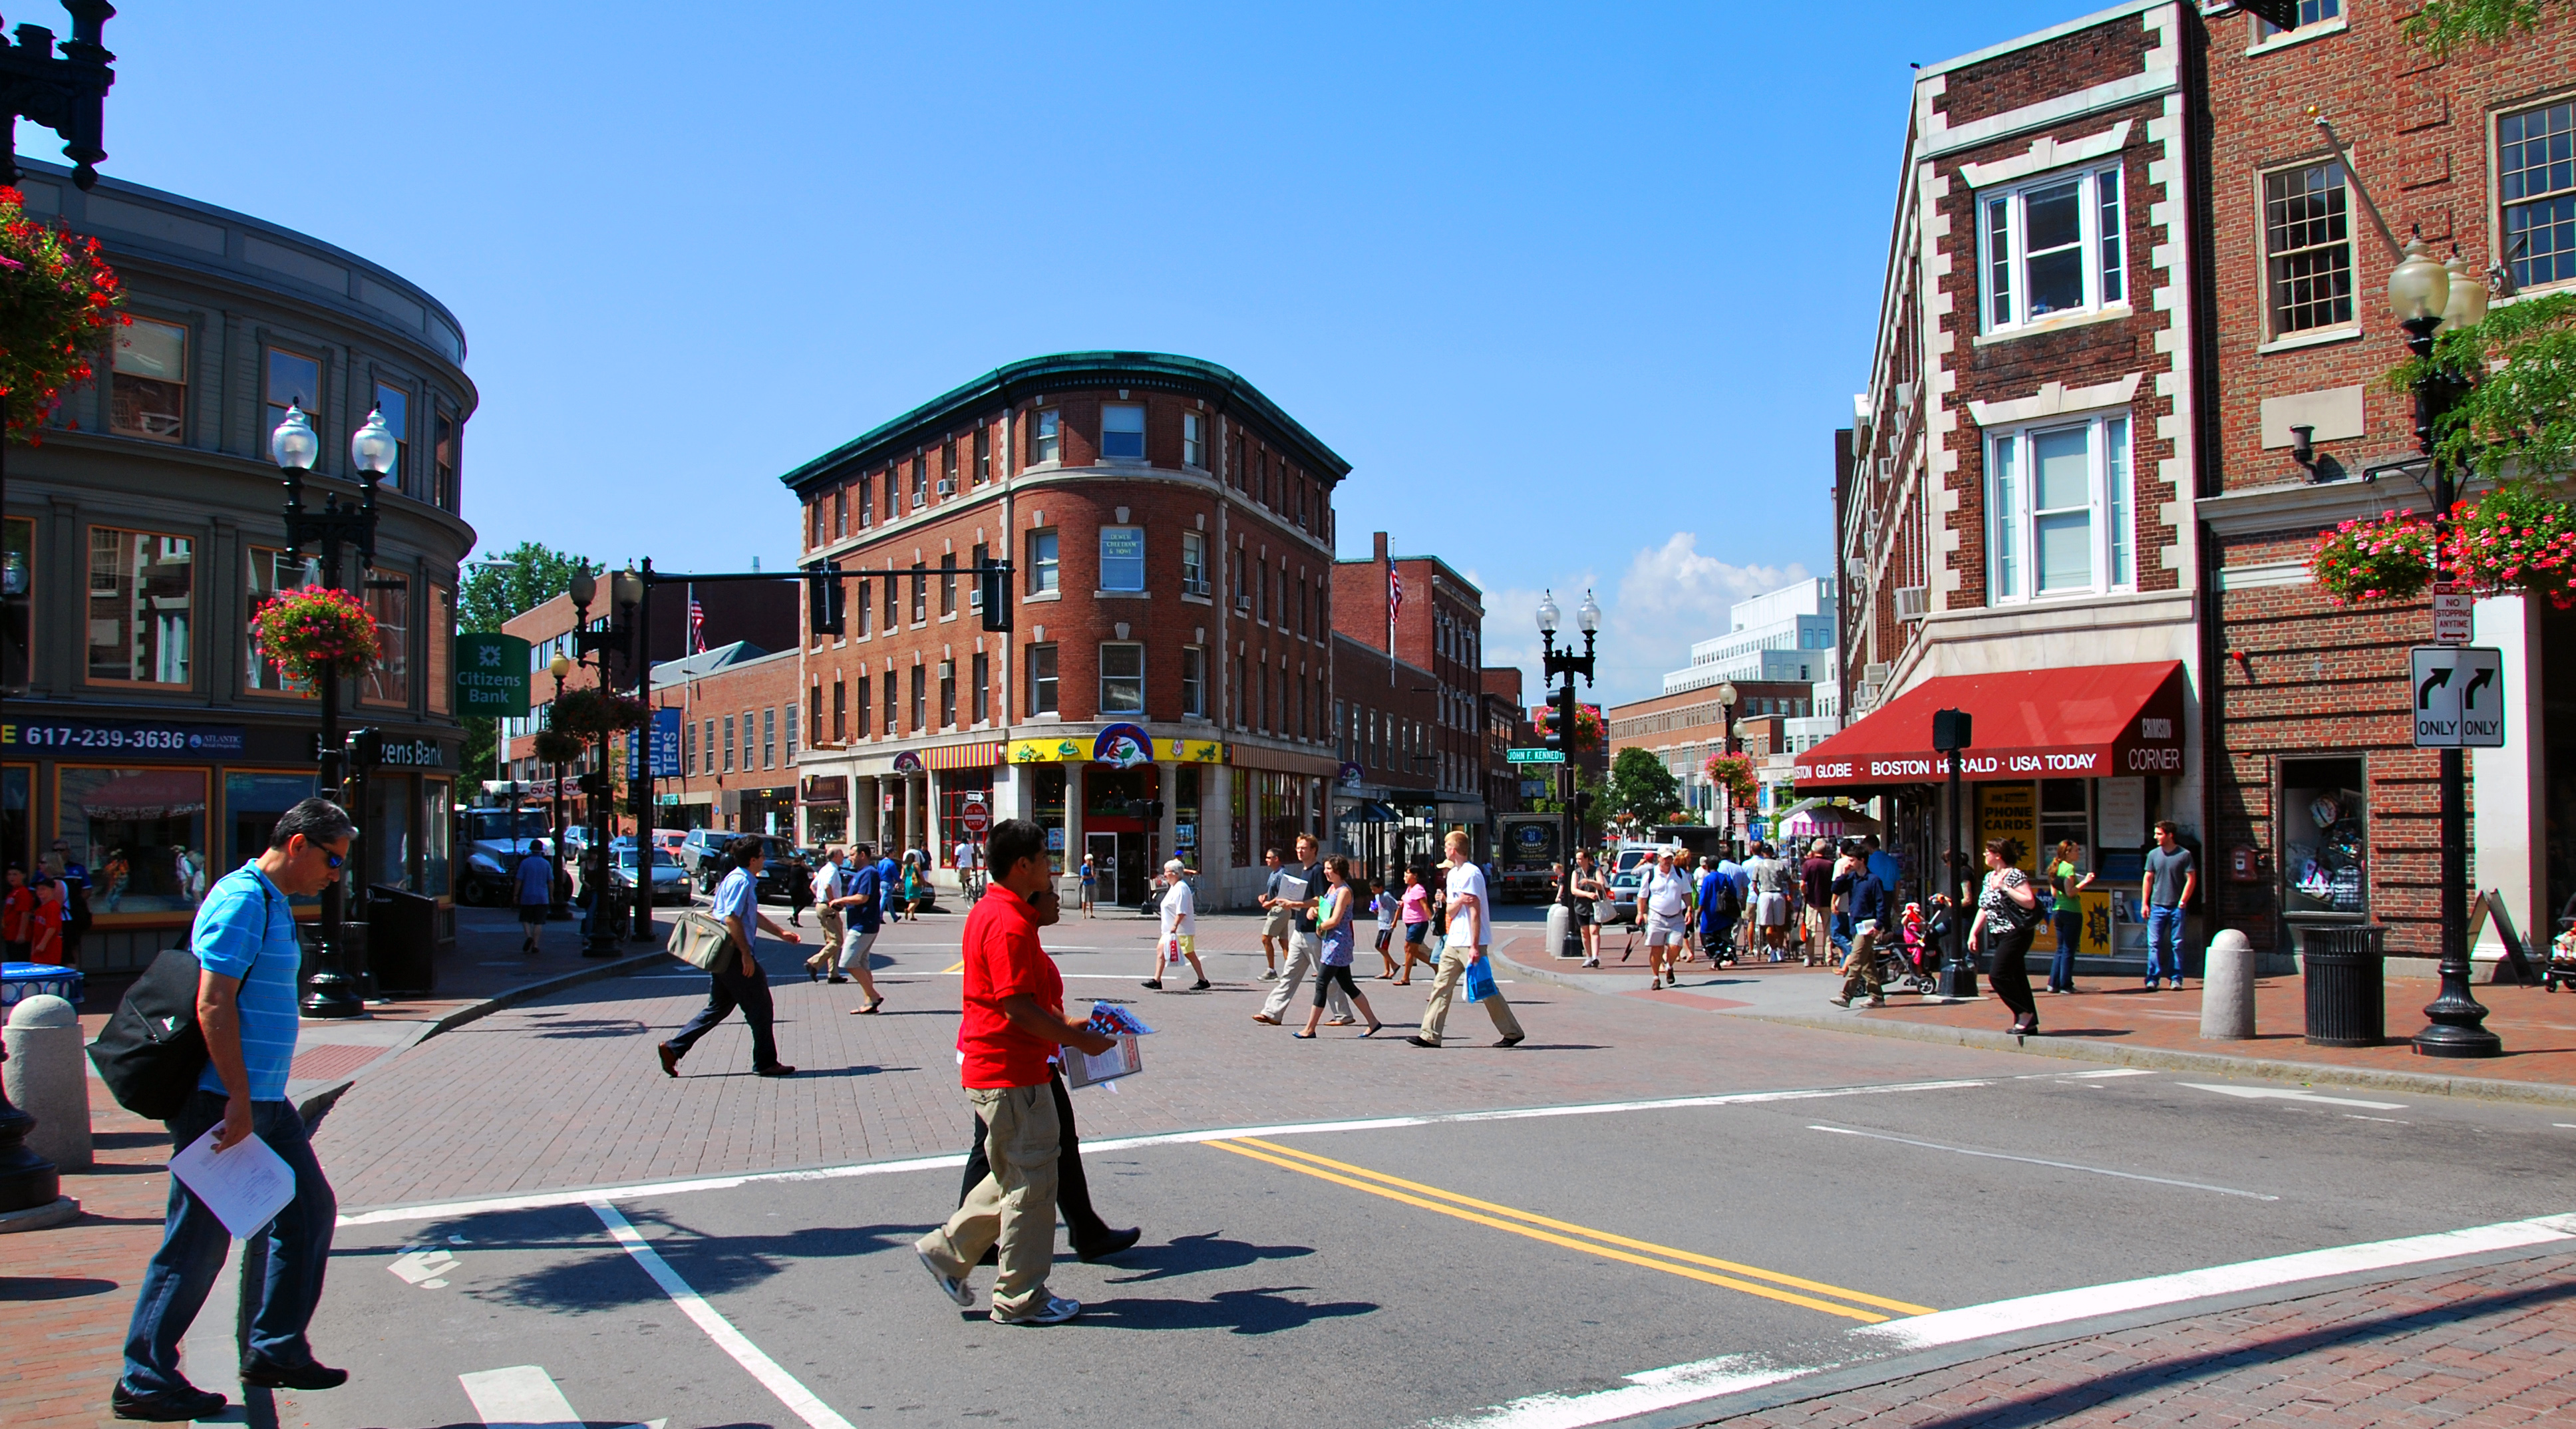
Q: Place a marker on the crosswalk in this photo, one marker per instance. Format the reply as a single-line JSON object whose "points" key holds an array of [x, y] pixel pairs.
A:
{"points": [[526, 1397]]}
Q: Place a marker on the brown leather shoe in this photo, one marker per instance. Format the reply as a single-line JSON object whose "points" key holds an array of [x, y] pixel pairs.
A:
{"points": [[670, 1060]]}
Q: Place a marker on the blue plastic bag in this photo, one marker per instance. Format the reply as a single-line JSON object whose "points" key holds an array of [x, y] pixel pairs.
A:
{"points": [[1480, 979]]}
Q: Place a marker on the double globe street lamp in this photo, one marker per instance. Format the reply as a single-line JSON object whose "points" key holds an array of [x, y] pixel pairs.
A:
{"points": [[1565, 665]]}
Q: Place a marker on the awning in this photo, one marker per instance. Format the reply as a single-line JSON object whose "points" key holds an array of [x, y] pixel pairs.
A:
{"points": [[983, 755], [2079, 722], [1368, 811]]}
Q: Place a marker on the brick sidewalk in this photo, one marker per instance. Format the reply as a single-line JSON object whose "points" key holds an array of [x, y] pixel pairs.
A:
{"points": [[68, 1290], [2491, 1346]]}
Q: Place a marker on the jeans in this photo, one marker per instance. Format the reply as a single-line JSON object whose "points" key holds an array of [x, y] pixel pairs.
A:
{"points": [[732, 989], [2164, 943], [193, 1245], [2070, 935]]}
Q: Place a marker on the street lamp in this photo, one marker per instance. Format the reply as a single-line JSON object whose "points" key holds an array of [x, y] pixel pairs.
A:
{"points": [[600, 942], [1727, 695], [1565, 665], [558, 667], [294, 446], [2425, 294]]}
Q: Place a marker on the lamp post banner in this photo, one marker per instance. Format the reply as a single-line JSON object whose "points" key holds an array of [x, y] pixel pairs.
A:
{"points": [[666, 747], [491, 675]]}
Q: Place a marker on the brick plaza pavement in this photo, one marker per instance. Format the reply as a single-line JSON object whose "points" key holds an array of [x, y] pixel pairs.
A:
{"points": [[65, 1292], [2488, 1346]]}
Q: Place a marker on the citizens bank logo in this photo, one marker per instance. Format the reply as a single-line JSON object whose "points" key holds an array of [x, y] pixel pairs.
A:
{"points": [[2150, 727], [489, 656]]}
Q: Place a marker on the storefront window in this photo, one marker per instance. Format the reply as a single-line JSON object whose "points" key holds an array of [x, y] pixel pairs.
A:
{"points": [[1185, 813], [252, 804], [271, 572], [389, 601], [142, 833], [142, 588], [436, 815], [1046, 804], [17, 600], [1242, 805], [957, 789], [18, 817], [384, 828], [2325, 837]]}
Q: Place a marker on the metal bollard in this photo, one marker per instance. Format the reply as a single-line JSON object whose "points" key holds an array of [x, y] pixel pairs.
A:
{"points": [[1562, 939], [2227, 989], [48, 1078]]}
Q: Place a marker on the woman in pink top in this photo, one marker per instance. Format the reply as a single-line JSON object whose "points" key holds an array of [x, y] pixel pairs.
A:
{"points": [[1416, 916]]}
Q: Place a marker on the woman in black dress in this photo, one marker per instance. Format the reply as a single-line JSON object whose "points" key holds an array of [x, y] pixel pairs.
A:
{"points": [[2008, 912]]}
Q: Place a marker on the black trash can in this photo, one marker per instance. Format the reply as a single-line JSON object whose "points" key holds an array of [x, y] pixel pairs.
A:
{"points": [[402, 929], [353, 953], [2347, 998]]}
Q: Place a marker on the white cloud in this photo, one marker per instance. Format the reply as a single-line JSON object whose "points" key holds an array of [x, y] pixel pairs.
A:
{"points": [[1670, 597]]}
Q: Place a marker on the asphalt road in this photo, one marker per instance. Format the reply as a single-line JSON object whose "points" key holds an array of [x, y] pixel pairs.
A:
{"points": [[1401, 1274]]}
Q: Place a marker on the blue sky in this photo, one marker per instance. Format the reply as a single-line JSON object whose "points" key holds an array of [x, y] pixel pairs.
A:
{"points": [[1580, 292]]}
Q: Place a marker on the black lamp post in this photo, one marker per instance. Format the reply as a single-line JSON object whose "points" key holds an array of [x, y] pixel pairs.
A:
{"points": [[1727, 695], [1564, 665], [2426, 295], [329, 992], [1953, 731], [558, 667]]}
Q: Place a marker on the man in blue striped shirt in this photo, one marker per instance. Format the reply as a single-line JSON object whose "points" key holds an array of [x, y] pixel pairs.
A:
{"points": [[248, 955]]}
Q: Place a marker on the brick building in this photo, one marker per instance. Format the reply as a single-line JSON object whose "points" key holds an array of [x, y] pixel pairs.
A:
{"points": [[2322, 807], [1507, 728], [1432, 618], [1683, 727], [1386, 802], [1171, 531], [2015, 523]]}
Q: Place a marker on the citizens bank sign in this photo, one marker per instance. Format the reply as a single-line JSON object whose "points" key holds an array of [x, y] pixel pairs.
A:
{"points": [[2091, 722]]}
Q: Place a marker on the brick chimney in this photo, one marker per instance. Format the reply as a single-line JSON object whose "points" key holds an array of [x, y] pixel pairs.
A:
{"points": [[1377, 543]]}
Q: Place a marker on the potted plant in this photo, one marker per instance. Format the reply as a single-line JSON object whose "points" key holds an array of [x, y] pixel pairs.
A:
{"points": [[2387, 558], [2517, 537], [1734, 774], [56, 297], [592, 714], [304, 630]]}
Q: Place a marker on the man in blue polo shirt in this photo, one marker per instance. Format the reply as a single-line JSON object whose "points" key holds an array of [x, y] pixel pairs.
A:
{"points": [[248, 956]]}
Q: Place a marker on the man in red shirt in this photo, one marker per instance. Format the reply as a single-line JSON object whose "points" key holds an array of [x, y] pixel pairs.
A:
{"points": [[1014, 1022]]}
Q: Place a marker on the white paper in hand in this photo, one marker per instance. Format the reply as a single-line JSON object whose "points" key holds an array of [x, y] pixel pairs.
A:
{"points": [[245, 1187]]}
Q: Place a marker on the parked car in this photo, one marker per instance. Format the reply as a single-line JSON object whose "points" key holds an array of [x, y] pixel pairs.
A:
{"points": [[1622, 907], [670, 881], [704, 860]]}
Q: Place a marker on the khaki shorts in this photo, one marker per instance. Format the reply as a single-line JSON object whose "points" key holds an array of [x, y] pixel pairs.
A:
{"points": [[1276, 925]]}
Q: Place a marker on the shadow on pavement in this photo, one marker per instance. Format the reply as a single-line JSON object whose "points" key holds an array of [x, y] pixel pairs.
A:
{"points": [[596, 1275], [1190, 1254], [1243, 1312], [52, 1287]]}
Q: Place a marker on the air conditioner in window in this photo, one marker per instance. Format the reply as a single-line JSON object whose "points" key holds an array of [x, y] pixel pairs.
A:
{"points": [[1910, 602], [948, 486], [975, 597], [1876, 672], [1864, 697], [1243, 603], [948, 669], [919, 500]]}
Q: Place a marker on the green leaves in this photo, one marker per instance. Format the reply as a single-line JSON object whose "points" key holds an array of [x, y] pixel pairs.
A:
{"points": [[495, 593], [2517, 413], [2445, 25], [1642, 789]]}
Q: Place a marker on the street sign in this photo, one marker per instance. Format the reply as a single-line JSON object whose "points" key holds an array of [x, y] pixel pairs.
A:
{"points": [[971, 816], [2459, 697], [2453, 608], [1538, 756], [666, 747], [491, 675]]}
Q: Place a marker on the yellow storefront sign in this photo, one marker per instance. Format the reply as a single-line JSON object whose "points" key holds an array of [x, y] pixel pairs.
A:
{"points": [[1077, 749]]}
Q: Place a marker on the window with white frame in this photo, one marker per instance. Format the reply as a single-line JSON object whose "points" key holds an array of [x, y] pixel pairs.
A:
{"points": [[2059, 510], [1193, 440], [1122, 558], [1043, 570], [1122, 432], [2536, 185], [1048, 445], [2052, 247], [2307, 248], [1122, 679], [1194, 681], [1194, 579], [2311, 12]]}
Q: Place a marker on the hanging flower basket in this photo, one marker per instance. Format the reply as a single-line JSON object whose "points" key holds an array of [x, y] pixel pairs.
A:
{"points": [[1734, 774], [2387, 559], [1587, 726], [591, 713], [554, 746], [303, 630], [57, 296], [2517, 537]]}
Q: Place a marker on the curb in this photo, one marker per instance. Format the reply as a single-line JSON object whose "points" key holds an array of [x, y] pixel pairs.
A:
{"points": [[2082, 1049], [315, 1103]]}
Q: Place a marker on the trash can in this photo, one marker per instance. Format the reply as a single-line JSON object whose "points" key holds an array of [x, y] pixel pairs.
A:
{"points": [[2347, 999], [353, 954], [19, 981], [402, 928]]}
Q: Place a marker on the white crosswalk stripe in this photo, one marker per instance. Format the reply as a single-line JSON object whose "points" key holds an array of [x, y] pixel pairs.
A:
{"points": [[525, 1397]]}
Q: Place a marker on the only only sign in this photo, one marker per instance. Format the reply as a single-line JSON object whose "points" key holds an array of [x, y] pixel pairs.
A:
{"points": [[2459, 697]]}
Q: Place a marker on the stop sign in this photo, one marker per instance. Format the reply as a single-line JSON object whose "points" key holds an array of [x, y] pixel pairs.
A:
{"points": [[971, 816]]}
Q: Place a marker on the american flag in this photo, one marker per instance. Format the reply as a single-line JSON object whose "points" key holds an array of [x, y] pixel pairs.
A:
{"points": [[1394, 594], [697, 625]]}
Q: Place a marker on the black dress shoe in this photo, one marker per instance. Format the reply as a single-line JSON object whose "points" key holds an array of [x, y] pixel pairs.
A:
{"points": [[259, 1373], [170, 1406], [779, 1070], [1117, 1241]]}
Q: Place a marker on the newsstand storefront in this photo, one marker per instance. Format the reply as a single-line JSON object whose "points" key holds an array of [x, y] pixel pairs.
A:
{"points": [[2089, 754]]}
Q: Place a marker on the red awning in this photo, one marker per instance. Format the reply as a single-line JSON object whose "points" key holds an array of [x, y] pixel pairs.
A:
{"points": [[2082, 722]]}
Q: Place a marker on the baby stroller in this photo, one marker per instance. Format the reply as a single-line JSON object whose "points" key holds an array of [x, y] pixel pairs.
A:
{"points": [[1911, 961], [2562, 962]]}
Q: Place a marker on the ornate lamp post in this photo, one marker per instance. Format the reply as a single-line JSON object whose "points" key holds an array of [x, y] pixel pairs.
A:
{"points": [[2425, 295], [1564, 665], [1727, 695], [558, 667], [372, 449]]}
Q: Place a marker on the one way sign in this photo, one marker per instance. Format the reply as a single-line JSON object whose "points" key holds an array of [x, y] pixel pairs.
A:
{"points": [[2459, 697]]}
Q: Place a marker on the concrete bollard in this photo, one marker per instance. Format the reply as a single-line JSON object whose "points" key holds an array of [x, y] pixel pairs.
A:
{"points": [[48, 1078], [2227, 989], [1560, 932]]}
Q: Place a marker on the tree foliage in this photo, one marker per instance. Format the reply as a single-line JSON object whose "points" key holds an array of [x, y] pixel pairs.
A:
{"points": [[492, 595], [2514, 376], [1642, 789], [2446, 25]]}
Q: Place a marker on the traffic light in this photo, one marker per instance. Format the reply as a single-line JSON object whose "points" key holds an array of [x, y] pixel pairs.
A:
{"points": [[823, 599], [993, 591], [1582, 806], [1560, 730], [366, 747]]}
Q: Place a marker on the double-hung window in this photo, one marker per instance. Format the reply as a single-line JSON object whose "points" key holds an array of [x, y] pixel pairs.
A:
{"points": [[2052, 247], [1042, 680], [2060, 509], [2311, 12], [2307, 248], [1048, 444], [920, 480], [148, 381], [1122, 679], [1194, 578], [1194, 681], [1122, 433], [1122, 558], [1043, 569], [2536, 184], [1193, 440]]}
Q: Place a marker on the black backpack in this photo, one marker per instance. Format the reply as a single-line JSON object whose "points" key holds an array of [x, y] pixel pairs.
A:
{"points": [[1729, 905], [151, 1051]]}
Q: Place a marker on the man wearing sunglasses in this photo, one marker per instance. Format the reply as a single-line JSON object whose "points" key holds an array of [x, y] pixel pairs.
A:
{"points": [[248, 955]]}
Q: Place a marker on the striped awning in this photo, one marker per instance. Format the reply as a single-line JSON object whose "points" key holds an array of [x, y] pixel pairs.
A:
{"points": [[982, 755], [1244, 755]]}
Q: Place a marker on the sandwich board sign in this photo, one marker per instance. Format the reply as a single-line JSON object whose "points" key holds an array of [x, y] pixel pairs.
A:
{"points": [[2459, 697]]}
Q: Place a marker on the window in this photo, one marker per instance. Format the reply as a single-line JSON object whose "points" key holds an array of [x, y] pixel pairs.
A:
{"points": [[983, 455], [388, 598], [791, 736], [2059, 508], [1122, 558], [142, 593], [1193, 682], [983, 670], [152, 822], [2311, 12], [1194, 440], [948, 583], [893, 704], [2536, 182], [814, 533], [2307, 248], [1122, 679], [1239, 692], [920, 592], [1122, 433], [17, 618], [947, 694], [148, 381], [439, 638], [709, 767], [1049, 445], [977, 559], [859, 730], [841, 707], [948, 463], [1194, 563], [269, 574], [840, 513], [442, 460], [293, 379], [1042, 691], [2053, 247], [920, 698], [728, 744], [768, 737], [395, 404], [1042, 563], [893, 589], [689, 747]]}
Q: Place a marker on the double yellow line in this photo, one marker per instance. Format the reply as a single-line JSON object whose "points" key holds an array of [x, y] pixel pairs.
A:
{"points": [[1687, 1264]]}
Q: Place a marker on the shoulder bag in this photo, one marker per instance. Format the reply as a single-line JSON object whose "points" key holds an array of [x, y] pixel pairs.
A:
{"points": [[698, 940], [152, 1051]]}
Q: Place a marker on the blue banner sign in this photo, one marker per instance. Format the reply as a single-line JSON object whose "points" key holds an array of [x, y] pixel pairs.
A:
{"points": [[165, 739], [666, 747]]}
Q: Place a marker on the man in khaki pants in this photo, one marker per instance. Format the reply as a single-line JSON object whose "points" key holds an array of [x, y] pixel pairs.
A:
{"points": [[1014, 1022], [827, 881], [1471, 937]]}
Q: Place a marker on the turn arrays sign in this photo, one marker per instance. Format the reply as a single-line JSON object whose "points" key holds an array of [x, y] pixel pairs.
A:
{"points": [[2459, 697]]}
